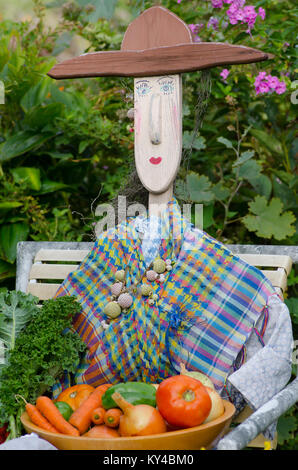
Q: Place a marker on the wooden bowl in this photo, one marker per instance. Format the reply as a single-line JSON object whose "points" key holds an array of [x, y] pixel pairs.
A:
{"points": [[184, 439]]}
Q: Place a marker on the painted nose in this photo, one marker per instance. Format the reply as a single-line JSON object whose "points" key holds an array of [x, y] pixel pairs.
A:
{"points": [[155, 119]]}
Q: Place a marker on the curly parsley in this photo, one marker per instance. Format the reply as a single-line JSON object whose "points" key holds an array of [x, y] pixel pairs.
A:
{"points": [[43, 351]]}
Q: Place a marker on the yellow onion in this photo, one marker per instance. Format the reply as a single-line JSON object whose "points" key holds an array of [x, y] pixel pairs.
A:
{"points": [[217, 407], [203, 378], [138, 420]]}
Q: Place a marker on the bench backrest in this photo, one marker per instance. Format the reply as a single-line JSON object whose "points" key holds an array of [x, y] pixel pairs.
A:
{"points": [[41, 269]]}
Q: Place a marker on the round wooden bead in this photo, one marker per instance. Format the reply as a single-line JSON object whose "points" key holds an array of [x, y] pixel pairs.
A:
{"points": [[112, 309], [159, 266], [125, 300], [151, 275], [120, 275], [146, 290], [116, 288]]}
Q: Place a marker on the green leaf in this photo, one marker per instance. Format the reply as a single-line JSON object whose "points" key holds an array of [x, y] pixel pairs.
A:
{"points": [[189, 141], [268, 141], [10, 235], [292, 304], [41, 116], [83, 145], [9, 205], [262, 184], [220, 192], [20, 143], [199, 188], [102, 9], [52, 186], [16, 308], [250, 170], [226, 142], [267, 220], [244, 157], [36, 94], [30, 176], [7, 270], [286, 426], [286, 194]]}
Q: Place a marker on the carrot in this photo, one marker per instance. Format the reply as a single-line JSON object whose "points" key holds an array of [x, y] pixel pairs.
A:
{"points": [[112, 417], [46, 407], [98, 414], [37, 418], [81, 418]]}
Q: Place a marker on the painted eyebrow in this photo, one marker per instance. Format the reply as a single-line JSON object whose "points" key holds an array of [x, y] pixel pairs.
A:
{"points": [[165, 77]]}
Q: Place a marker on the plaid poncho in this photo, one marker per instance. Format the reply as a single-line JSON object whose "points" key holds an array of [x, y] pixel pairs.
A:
{"points": [[203, 315]]}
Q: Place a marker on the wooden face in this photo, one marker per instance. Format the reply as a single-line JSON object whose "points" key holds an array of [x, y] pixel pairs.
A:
{"points": [[158, 130]]}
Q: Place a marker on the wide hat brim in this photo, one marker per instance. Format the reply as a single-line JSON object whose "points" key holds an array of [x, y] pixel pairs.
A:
{"points": [[158, 61], [156, 43]]}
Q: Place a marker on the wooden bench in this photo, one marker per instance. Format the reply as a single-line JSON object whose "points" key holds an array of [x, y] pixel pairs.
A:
{"points": [[42, 266]]}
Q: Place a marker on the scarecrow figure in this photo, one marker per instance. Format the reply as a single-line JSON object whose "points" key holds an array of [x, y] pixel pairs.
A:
{"points": [[156, 291]]}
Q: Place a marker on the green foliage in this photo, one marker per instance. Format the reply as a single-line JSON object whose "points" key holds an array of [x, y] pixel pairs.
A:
{"points": [[43, 350], [268, 221]]}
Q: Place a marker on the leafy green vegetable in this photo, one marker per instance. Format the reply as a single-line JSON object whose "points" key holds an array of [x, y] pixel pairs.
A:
{"points": [[43, 351], [16, 308]]}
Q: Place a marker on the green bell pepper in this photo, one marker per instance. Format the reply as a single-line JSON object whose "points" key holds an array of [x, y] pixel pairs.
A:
{"points": [[137, 393]]}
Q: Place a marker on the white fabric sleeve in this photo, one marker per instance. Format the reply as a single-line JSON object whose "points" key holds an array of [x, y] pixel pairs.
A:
{"points": [[268, 368]]}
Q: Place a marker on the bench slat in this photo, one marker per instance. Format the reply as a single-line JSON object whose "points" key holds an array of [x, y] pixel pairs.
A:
{"points": [[51, 271], [60, 255], [43, 291], [268, 261]]}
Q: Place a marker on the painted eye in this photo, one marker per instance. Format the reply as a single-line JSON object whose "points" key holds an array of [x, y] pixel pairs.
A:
{"points": [[143, 89], [167, 88]]}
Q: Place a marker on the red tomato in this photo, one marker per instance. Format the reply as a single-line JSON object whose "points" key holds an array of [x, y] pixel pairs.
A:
{"points": [[183, 401]]}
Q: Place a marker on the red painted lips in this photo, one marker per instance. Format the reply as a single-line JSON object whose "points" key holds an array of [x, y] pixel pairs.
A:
{"points": [[155, 160]]}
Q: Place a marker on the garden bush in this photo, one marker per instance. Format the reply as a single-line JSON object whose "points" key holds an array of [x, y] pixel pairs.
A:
{"points": [[67, 145]]}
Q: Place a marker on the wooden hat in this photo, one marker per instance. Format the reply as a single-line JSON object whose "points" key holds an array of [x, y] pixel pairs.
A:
{"points": [[157, 42]]}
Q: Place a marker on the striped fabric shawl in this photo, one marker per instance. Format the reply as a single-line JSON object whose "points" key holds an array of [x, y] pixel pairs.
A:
{"points": [[204, 313]]}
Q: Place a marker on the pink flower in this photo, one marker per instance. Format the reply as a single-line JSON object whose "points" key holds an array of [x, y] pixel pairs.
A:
{"points": [[238, 12], [213, 23], [281, 88], [262, 13], [268, 83], [224, 74], [195, 28], [217, 3], [273, 82], [264, 87], [249, 15]]}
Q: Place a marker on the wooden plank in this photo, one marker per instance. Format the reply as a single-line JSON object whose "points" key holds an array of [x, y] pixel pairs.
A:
{"points": [[51, 271], [42, 291], [60, 255], [274, 261], [159, 61], [156, 27], [278, 278]]}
